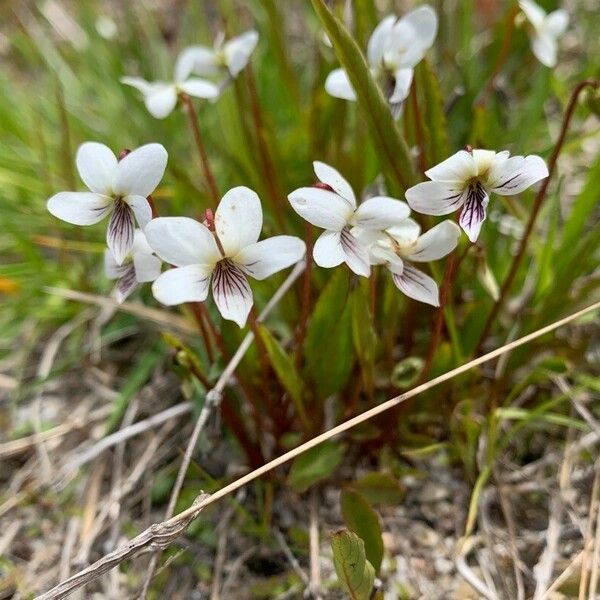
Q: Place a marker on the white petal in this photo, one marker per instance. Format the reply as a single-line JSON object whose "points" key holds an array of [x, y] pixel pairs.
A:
{"points": [[533, 12], [80, 208], [269, 256], [141, 209], [545, 49], [203, 62], [147, 266], [238, 50], [120, 232], [556, 22], [484, 160], [357, 256], [127, 283], [231, 292], [97, 166], [140, 171], [161, 100], [415, 284], [327, 251], [406, 233], [143, 86], [459, 167], [181, 241], [516, 174], [434, 198], [238, 219], [402, 85], [183, 284], [436, 243], [184, 65], [335, 180], [321, 208], [337, 84], [380, 248], [473, 214], [380, 212], [379, 40], [424, 22], [112, 270], [200, 88]]}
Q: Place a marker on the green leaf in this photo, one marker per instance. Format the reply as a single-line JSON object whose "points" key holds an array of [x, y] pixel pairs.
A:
{"points": [[353, 569], [380, 488], [285, 369], [391, 147], [363, 520], [363, 333], [315, 465], [328, 350]]}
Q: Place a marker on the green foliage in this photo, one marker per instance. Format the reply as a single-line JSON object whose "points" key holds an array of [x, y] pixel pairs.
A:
{"points": [[354, 571], [316, 465], [380, 488]]}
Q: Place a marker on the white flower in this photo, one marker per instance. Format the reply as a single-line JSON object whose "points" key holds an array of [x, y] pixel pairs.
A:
{"points": [[226, 252], [402, 244], [117, 187], [228, 57], [160, 97], [139, 266], [396, 46], [465, 180], [331, 205], [545, 30]]}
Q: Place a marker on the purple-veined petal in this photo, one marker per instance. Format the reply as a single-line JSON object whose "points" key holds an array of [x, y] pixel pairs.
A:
{"points": [[415, 284], [161, 100], [328, 251], [459, 167], [120, 232], [182, 284], [356, 255], [238, 219], [380, 212], [80, 208], [321, 208], [335, 180], [126, 284], [516, 174], [238, 50], [435, 198], [231, 292], [269, 256], [379, 40], [436, 243], [141, 209], [556, 22], [181, 241], [112, 270], [200, 88], [140, 171], [403, 80], [337, 84], [97, 166], [473, 213]]}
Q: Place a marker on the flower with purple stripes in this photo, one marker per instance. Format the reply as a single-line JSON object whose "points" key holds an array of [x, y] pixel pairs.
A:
{"points": [[465, 181], [331, 205], [224, 250], [117, 187]]}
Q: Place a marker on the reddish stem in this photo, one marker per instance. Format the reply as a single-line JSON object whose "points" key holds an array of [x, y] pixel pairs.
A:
{"points": [[537, 204], [418, 127]]}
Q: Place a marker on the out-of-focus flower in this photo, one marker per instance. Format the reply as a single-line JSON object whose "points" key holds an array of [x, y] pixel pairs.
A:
{"points": [[402, 244], [225, 57], [465, 179], [139, 266], [224, 251], [119, 188], [396, 46], [331, 205], [160, 97], [544, 30]]}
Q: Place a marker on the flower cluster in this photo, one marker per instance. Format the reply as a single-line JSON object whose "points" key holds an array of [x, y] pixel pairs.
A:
{"points": [[396, 46]]}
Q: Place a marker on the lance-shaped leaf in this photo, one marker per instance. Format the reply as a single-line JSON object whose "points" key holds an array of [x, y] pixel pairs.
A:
{"points": [[354, 571], [391, 147], [316, 464]]}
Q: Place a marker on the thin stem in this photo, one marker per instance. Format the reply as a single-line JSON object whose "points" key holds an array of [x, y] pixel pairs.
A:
{"points": [[208, 174], [306, 293], [537, 204]]}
